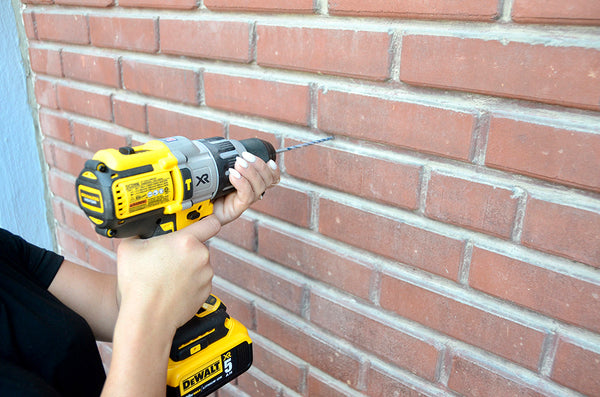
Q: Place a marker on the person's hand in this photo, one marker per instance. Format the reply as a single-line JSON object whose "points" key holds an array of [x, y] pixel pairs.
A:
{"points": [[250, 177], [168, 275]]}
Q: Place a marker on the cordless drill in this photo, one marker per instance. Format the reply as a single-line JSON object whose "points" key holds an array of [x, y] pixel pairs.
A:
{"points": [[159, 187]]}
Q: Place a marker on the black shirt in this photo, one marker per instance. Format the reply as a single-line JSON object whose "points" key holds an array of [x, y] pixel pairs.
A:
{"points": [[46, 349]]}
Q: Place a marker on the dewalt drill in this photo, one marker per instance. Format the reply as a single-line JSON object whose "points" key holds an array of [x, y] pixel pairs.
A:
{"points": [[159, 187]]}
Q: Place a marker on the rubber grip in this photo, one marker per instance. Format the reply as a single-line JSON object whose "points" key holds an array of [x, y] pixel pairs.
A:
{"points": [[260, 148]]}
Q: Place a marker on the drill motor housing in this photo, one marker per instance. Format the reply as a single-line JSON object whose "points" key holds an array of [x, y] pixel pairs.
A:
{"points": [[161, 186]]}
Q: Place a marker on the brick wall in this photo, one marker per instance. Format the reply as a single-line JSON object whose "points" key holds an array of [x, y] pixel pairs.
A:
{"points": [[446, 242]]}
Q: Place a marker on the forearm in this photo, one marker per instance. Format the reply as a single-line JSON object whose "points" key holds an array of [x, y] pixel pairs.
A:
{"points": [[141, 347]]}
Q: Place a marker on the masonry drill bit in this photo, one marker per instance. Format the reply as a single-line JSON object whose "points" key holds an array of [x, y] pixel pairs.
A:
{"points": [[285, 149]]}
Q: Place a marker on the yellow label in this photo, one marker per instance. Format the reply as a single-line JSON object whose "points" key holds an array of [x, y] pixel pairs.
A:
{"points": [[96, 220], [142, 193], [167, 227], [90, 198], [195, 349], [202, 376], [89, 175]]}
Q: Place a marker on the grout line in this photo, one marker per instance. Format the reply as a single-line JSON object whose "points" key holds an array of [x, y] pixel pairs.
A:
{"points": [[465, 265], [548, 354], [519, 221]]}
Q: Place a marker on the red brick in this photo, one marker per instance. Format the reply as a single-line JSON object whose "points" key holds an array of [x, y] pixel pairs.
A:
{"points": [[180, 85], [554, 294], [255, 386], [555, 154], [390, 344], [241, 232], [63, 186], [45, 93], [302, 343], [288, 204], [175, 4], [86, 3], [239, 133], [381, 383], [356, 174], [69, 160], [350, 53], [227, 40], [270, 99], [462, 321], [83, 102], [91, 68], [584, 12], [55, 126], [229, 390], [518, 70], [164, 123], [279, 367], [292, 6], [577, 368], [45, 61], [57, 204], [137, 34], [29, 23], [408, 125], [323, 386], [67, 28], [72, 248], [476, 206], [391, 238], [48, 149], [485, 10], [243, 273], [315, 261], [96, 138], [129, 114], [471, 379], [561, 230], [75, 219]]}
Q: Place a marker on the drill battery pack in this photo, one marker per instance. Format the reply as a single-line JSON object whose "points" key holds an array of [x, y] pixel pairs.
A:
{"points": [[207, 352]]}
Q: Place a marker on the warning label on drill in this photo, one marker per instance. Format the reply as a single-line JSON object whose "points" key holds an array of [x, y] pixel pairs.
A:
{"points": [[147, 193]]}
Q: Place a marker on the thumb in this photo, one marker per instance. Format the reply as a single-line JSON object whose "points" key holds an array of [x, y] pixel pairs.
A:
{"points": [[204, 229]]}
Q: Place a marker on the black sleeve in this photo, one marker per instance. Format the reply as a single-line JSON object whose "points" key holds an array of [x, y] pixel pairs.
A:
{"points": [[36, 263]]}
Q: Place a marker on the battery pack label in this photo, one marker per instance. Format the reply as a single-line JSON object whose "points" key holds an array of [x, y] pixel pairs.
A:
{"points": [[201, 377]]}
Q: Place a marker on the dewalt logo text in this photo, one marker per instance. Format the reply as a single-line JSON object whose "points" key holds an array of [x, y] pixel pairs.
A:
{"points": [[208, 372]]}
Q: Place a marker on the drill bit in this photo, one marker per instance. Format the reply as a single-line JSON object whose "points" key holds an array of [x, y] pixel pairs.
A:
{"points": [[285, 149]]}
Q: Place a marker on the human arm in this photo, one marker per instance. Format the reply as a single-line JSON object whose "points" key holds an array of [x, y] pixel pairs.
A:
{"points": [[163, 281], [92, 294], [145, 321]]}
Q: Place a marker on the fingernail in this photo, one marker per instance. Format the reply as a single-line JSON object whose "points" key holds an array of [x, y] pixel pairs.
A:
{"points": [[242, 162], [249, 156], [272, 164], [234, 172]]}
